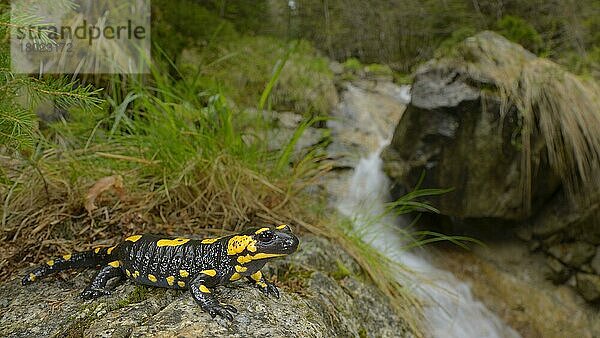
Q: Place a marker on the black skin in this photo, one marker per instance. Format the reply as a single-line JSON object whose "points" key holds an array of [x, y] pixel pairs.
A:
{"points": [[181, 263]]}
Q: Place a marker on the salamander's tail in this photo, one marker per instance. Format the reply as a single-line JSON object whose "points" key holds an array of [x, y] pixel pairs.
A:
{"points": [[85, 259]]}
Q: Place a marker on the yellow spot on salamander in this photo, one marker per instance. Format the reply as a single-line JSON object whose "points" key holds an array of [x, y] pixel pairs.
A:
{"points": [[97, 250], [249, 258], [133, 238], [114, 264], [256, 276], [240, 268], [172, 242], [67, 257], [152, 278], [235, 276], [209, 240], [135, 274], [261, 255], [251, 246], [211, 273], [262, 284], [244, 259], [183, 273], [261, 230], [203, 289], [128, 273], [50, 262], [32, 277], [237, 244], [109, 251], [281, 227], [181, 284], [170, 280]]}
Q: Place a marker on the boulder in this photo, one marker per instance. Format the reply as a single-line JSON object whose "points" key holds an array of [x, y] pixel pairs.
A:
{"points": [[363, 119], [595, 264], [456, 133], [573, 254], [589, 286], [317, 300]]}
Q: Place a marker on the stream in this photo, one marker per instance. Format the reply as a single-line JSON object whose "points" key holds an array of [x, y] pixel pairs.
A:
{"points": [[449, 306]]}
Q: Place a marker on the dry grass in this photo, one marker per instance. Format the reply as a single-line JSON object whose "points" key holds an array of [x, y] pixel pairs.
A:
{"points": [[562, 108]]}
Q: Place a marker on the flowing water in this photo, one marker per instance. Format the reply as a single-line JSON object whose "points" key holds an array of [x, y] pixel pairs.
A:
{"points": [[450, 308]]}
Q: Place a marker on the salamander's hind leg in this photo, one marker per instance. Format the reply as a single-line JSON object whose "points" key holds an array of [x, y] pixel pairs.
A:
{"points": [[98, 286], [265, 286], [208, 302]]}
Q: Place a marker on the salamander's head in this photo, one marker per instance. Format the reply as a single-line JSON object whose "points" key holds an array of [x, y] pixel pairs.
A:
{"points": [[263, 243]]}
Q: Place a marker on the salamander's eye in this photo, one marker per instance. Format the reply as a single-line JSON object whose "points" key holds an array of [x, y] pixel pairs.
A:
{"points": [[266, 236]]}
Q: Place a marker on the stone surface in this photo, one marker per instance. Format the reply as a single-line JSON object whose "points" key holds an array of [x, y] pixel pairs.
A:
{"points": [[595, 263], [560, 217], [511, 281], [558, 273], [316, 301], [573, 254], [589, 286], [362, 120], [453, 132]]}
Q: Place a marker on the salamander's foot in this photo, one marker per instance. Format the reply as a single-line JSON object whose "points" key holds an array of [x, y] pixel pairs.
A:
{"points": [[223, 310], [269, 289]]}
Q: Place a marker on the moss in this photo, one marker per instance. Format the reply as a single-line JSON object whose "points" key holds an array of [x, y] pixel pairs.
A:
{"points": [[138, 295], [294, 277], [362, 332], [341, 271], [77, 328], [352, 65], [520, 31], [377, 69]]}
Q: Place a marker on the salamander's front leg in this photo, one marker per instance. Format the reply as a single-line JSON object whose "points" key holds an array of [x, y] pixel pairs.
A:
{"points": [[207, 301], [265, 286], [98, 286]]}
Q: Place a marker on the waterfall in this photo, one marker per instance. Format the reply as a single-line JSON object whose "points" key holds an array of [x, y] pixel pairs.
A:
{"points": [[450, 310]]}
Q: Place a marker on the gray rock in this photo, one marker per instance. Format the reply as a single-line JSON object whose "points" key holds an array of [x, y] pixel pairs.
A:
{"points": [[558, 273], [453, 132], [322, 295], [560, 216], [595, 263], [588, 286], [573, 254], [363, 119]]}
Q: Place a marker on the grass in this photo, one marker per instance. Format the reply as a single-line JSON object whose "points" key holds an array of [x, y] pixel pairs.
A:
{"points": [[557, 106]]}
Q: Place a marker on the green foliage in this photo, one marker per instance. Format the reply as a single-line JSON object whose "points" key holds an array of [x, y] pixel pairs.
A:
{"points": [[241, 69], [377, 69], [520, 31], [247, 16], [352, 65], [19, 94], [180, 24], [456, 37], [404, 33]]}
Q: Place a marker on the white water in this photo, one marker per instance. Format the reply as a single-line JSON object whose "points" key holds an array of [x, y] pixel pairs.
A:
{"points": [[450, 309]]}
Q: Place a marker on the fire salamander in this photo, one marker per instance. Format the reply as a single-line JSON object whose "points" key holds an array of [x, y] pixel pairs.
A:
{"points": [[182, 263]]}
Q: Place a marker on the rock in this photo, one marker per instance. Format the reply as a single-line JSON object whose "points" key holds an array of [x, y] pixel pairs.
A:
{"points": [[595, 263], [362, 121], [573, 254], [559, 216], [453, 132], [558, 272], [589, 286], [316, 301]]}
